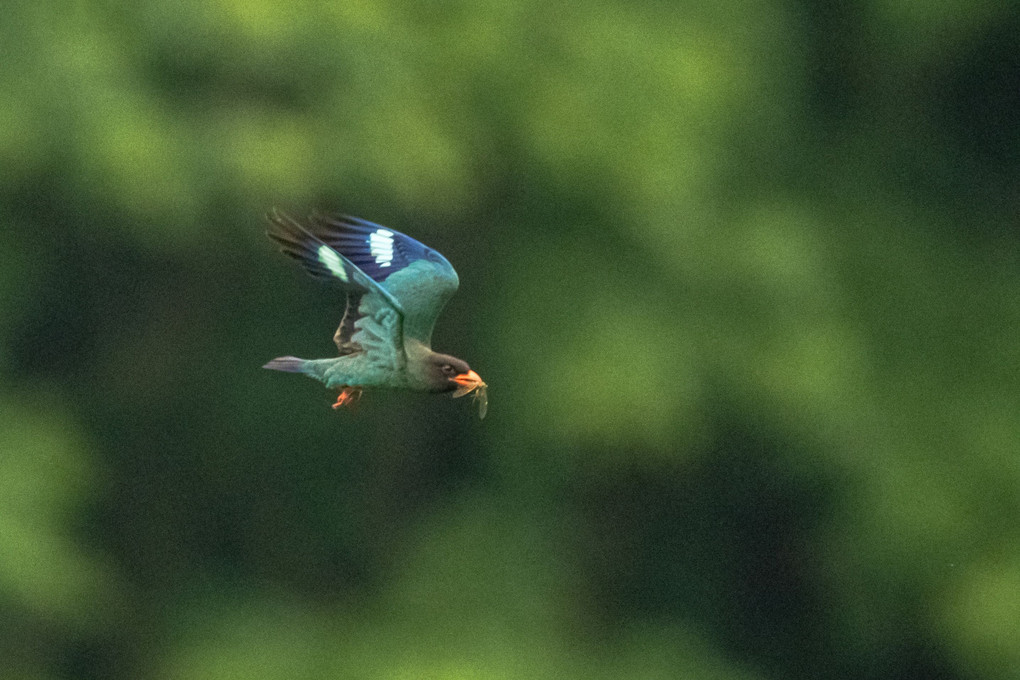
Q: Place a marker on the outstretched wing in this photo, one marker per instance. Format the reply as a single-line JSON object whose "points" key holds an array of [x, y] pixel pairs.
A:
{"points": [[373, 318], [421, 280]]}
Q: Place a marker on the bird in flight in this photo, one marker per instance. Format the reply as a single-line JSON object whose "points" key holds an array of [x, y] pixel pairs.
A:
{"points": [[395, 289]]}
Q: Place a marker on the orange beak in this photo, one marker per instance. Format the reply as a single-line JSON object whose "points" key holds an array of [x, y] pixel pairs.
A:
{"points": [[468, 382]]}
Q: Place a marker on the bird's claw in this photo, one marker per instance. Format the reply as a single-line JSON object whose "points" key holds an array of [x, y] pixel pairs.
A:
{"points": [[347, 397]]}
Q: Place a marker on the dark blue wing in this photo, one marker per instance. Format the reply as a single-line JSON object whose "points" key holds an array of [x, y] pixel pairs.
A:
{"points": [[373, 319], [376, 250], [414, 279], [417, 276], [321, 260]]}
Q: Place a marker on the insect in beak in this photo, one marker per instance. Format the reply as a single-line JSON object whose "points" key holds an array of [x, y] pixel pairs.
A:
{"points": [[472, 382]]}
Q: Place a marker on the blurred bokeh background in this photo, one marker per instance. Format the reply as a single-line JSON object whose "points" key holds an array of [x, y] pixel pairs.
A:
{"points": [[742, 277]]}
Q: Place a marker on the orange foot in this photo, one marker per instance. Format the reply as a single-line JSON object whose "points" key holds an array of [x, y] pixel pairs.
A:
{"points": [[348, 396]]}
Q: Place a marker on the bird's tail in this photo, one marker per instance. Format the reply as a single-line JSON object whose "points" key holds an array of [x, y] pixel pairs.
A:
{"points": [[287, 364]]}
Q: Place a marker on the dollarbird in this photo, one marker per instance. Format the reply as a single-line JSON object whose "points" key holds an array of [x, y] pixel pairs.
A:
{"points": [[395, 287]]}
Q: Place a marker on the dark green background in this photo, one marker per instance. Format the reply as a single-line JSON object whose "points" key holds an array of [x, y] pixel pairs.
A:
{"points": [[742, 277]]}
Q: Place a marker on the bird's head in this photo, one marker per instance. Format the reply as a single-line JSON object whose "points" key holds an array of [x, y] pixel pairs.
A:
{"points": [[447, 373]]}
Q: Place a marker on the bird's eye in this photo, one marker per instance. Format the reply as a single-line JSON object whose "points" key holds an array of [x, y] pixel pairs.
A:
{"points": [[448, 369]]}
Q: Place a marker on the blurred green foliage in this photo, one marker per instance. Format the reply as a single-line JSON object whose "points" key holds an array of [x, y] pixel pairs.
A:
{"points": [[742, 277]]}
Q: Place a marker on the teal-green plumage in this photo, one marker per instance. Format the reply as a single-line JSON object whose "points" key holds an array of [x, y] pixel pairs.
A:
{"points": [[396, 288]]}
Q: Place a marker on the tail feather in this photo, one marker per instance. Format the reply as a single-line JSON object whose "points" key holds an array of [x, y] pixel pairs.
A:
{"points": [[287, 364]]}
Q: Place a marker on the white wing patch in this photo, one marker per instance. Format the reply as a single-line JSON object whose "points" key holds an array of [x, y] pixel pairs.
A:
{"points": [[332, 262], [380, 245]]}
